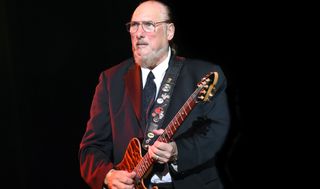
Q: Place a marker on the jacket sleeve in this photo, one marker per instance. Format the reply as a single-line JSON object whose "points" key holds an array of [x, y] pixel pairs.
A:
{"points": [[210, 125], [95, 154]]}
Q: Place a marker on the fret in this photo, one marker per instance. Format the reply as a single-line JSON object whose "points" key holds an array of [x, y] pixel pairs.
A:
{"points": [[168, 134], [170, 131], [184, 110], [194, 95], [162, 138], [176, 121], [190, 108], [143, 167], [173, 126], [138, 171], [180, 115]]}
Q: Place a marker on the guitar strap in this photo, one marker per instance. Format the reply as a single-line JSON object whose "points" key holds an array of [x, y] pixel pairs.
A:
{"points": [[159, 109]]}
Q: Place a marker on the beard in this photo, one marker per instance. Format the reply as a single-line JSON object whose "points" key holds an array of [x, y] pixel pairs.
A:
{"points": [[152, 59]]}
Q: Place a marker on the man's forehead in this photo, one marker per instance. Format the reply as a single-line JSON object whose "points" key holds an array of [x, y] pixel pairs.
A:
{"points": [[148, 11]]}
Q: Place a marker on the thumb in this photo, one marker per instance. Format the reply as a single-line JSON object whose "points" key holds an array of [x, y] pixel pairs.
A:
{"points": [[132, 174]]}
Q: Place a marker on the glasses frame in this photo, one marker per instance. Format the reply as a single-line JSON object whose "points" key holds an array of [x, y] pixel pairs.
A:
{"points": [[143, 23]]}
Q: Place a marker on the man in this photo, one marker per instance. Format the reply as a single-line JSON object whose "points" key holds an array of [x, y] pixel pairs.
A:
{"points": [[116, 116]]}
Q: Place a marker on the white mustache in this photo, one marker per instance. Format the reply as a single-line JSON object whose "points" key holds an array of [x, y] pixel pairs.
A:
{"points": [[141, 43]]}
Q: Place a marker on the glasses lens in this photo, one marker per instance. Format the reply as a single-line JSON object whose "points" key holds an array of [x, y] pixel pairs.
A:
{"points": [[132, 26], [148, 26]]}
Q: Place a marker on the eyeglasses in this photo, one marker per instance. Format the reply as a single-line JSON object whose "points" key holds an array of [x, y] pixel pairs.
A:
{"points": [[148, 26]]}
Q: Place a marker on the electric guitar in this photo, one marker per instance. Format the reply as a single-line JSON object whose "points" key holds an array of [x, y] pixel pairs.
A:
{"points": [[142, 165]]}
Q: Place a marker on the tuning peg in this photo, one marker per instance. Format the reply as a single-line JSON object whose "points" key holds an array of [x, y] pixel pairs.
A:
{"points": [[203, 91], [201, 97]]}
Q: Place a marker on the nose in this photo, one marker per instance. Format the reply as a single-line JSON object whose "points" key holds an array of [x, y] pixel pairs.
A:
{"points": [[140, 28], [140, 32]]}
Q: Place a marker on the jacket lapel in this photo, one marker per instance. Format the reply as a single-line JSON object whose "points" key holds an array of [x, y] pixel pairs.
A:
{"points": [[134, 87]]}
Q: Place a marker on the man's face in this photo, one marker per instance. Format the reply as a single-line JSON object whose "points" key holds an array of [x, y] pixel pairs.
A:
{"points": [[150, 48]]}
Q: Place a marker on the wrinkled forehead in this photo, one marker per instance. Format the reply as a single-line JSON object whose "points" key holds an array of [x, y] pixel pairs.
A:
{"points": [[149, 11]]}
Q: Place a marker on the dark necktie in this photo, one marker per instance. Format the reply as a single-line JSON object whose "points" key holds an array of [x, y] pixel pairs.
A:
{"points": [[149, 93]]}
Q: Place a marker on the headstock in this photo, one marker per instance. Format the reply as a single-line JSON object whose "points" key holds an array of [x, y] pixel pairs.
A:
{"points": [[207, 87]]}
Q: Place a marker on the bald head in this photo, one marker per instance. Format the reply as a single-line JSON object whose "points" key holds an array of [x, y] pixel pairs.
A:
{"points": [[151, 10]]}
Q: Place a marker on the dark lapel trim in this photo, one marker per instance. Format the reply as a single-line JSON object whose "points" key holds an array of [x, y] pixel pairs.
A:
{"points": [[134, 87]]}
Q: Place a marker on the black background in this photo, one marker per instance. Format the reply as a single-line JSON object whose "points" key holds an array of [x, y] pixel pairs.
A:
{"points": [[52, 53]]}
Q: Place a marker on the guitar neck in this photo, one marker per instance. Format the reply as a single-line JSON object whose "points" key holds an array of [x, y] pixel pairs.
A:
{"points": [[147, 161], [177, 120]]}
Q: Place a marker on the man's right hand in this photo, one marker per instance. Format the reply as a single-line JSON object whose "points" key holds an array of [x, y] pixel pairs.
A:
{"points": [[117, 179]]}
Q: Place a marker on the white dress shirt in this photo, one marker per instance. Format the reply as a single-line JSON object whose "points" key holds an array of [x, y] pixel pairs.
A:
{"points": [[159, 73]]}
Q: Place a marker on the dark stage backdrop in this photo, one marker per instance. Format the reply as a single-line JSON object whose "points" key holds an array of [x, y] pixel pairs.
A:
{"points": [[52, 54]]}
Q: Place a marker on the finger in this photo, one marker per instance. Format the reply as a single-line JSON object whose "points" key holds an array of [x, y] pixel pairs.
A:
{"points": [[126, 177], [158, 148], [132, 174], [163, 150], [162, 147], [120, 184], [126, 180], [121, 179], [158, 131], [157, 158]]}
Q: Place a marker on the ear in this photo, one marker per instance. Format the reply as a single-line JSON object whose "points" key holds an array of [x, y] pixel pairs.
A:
{"points": [[170, 31]]}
